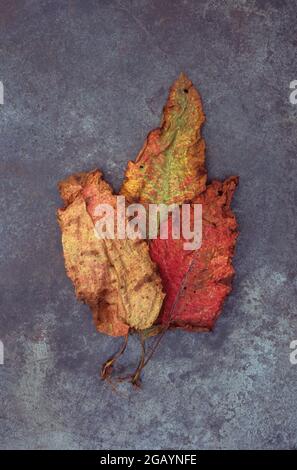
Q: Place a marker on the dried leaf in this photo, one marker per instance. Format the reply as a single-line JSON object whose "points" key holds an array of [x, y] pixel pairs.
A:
{"points": [[197, 282], [170, 166], [116, 278], [140, 287]]}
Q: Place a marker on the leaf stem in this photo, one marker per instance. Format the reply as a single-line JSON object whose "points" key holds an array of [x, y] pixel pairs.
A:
{"points": [[135, 380], [107, 367]]}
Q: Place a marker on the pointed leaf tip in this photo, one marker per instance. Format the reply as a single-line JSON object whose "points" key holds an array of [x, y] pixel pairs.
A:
{"points": [[170, 166]]}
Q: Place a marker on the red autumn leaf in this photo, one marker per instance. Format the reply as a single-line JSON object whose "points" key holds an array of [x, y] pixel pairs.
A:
{"points": [[197, 282]]}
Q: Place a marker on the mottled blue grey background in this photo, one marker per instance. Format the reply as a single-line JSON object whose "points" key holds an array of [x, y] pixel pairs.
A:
{"points": [[84, 82]]}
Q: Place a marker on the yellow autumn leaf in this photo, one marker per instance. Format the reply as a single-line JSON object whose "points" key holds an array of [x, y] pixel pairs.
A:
{"points": [[116, 278]]}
